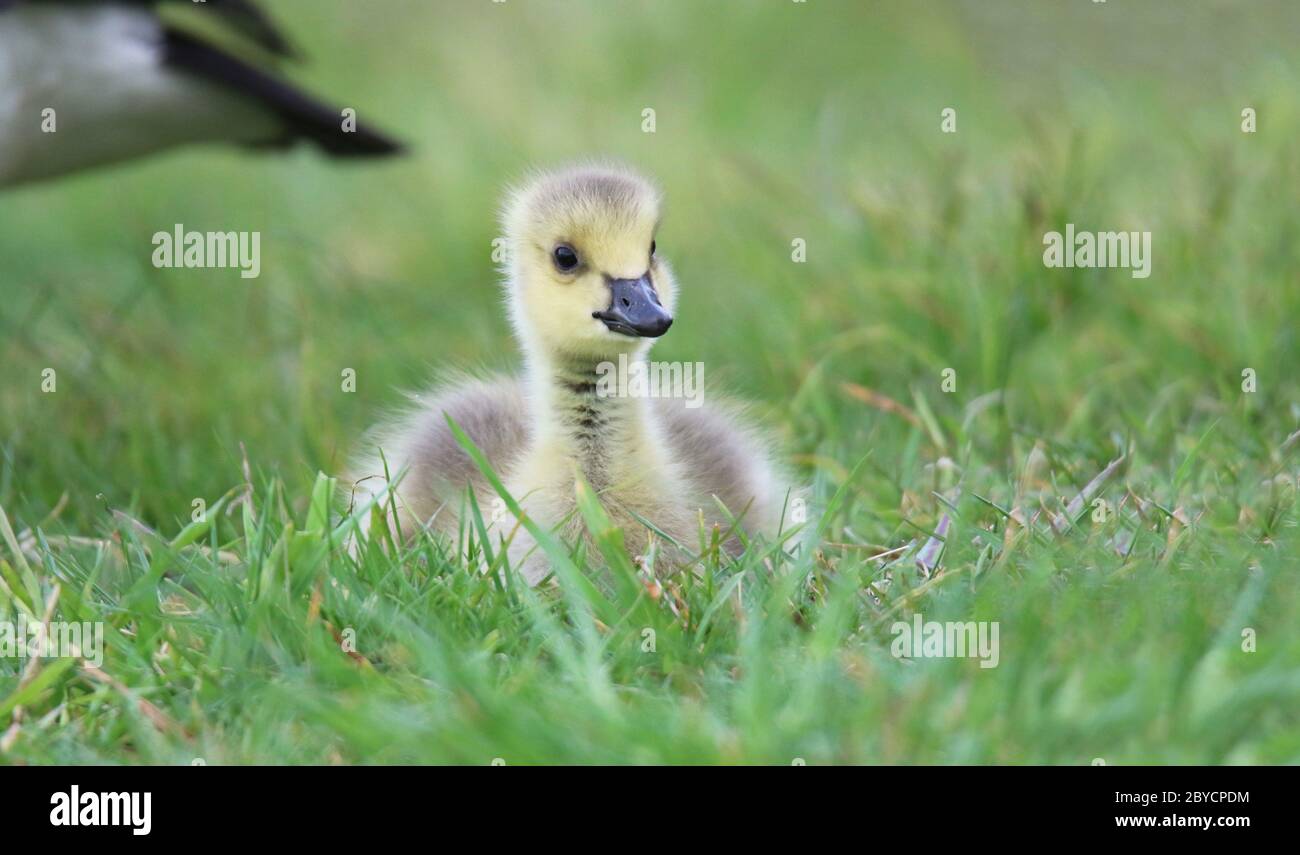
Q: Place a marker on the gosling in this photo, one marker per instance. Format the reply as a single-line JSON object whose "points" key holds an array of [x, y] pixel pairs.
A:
{"points": [[583, 286]]}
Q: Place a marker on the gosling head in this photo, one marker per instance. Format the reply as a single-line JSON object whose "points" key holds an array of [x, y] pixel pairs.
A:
{"points": [[585, 280]]}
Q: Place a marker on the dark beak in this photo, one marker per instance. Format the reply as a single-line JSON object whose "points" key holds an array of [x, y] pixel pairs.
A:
{"points": [[634, 308]]}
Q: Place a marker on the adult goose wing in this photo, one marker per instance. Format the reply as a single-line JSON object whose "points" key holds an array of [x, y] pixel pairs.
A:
{"points": [[91, 82]]}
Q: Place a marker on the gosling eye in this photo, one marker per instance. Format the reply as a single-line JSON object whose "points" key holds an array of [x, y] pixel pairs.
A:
{"points": [[566, 258], [652, 249]]}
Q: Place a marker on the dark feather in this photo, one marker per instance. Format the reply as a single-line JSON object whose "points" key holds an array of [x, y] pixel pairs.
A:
{"points": [[304, 116]]}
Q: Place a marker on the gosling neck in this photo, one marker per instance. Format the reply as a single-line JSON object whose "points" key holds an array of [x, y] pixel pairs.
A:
{"points": [[593, 422]]}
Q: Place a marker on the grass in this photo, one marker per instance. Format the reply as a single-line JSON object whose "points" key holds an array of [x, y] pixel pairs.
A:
{"points": [[251, 637]]}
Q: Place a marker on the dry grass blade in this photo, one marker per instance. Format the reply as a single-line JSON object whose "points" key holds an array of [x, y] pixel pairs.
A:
{"points": [[1086, 495], [132, 522], [884, 403], [928, 558], [1291, 442], [889, 553], [54, 513], [159, 719], [29, 544]]}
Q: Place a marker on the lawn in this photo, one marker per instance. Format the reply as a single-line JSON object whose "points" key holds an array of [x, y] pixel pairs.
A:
{"points": [[926, 372]]}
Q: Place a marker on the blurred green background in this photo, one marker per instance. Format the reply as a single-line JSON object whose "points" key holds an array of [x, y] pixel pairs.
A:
{"points": [[775, 120]]}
